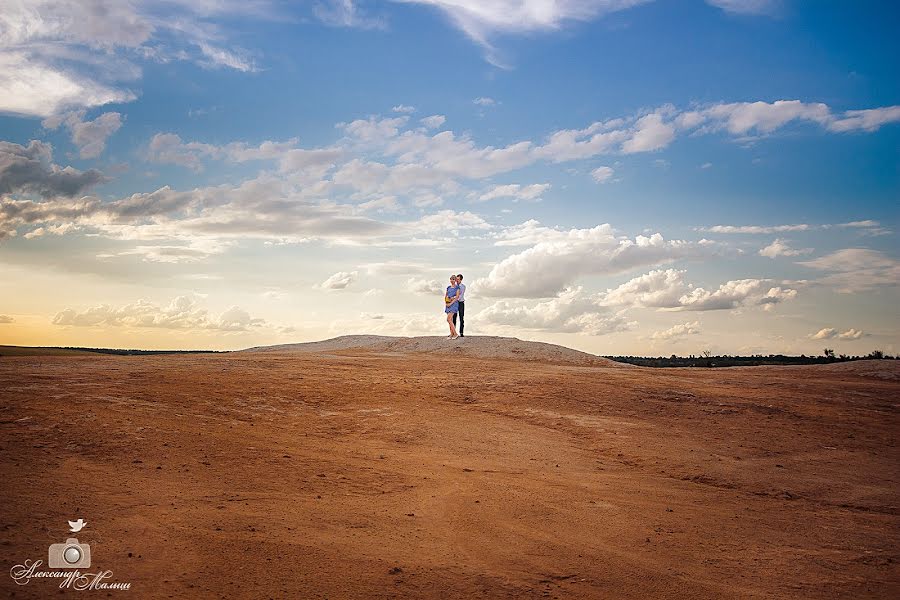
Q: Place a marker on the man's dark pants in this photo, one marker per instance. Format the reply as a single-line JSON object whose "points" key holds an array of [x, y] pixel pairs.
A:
{"points": [[462, 317]]}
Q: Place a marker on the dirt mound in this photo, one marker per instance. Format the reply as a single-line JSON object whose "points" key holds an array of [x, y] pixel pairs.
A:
{"points": [[482, 346]]}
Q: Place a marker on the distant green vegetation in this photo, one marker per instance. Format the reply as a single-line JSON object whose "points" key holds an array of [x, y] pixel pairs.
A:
{"points": [[705, 359], [72, 351]]}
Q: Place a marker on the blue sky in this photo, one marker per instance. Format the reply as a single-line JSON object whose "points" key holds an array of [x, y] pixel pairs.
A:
{"points": [[615, 175]]}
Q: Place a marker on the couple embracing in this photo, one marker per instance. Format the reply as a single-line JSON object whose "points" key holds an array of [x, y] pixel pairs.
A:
{"points": [[455, 303]]}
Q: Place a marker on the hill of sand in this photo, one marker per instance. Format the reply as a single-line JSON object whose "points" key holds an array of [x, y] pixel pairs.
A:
{"points": [[482, 346], [410, 469]]}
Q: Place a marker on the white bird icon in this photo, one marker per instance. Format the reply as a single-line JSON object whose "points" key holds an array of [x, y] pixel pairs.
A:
{"points": [[76, 526]]}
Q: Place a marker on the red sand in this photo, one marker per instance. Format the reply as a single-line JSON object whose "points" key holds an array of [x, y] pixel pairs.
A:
{"points": [[365, 474]]}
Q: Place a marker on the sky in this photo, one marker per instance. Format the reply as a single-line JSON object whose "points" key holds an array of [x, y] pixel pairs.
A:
{"points": [[626, 177]]}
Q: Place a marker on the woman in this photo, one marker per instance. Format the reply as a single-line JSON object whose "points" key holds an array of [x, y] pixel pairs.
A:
{"points": [[451, 304]]}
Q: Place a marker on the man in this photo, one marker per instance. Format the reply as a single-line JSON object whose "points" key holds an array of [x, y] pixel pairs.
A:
{"points": [[462, 305]]}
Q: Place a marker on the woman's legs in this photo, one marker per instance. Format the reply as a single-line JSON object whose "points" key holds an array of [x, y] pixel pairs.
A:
{"points": [[450, 323]]}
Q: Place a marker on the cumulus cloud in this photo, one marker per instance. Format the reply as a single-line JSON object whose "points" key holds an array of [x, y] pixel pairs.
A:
{"points": [[651, 133], [434, 121], [450, 155], [780, 247], [555, 263], [183, 312], [89, 136], [828, 333], [761, 118], [677, 331], [733, 294], [30, 170], [403, 108], [339, 281], [667, 289], [851, 334], [602, 174], [656, 289], [570, 312]]}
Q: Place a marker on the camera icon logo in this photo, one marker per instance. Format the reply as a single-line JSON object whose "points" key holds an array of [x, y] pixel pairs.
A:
{"points": [[70, 555]]}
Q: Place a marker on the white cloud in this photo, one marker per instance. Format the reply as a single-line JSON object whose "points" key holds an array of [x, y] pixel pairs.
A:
{"points": [[181, 313], [761, 118], [385, 204], [573, 144], [481, 20], [677, 331], [484, 101], [851, 334], [733, 294], [569, 312], [89, 136], [403, 108], [866, 120], [868, 227], [780, 247], [555, 263], [373, 128], [220, 57], [339, 281], [58, 56], [526, 234], [434, 121], [425, 287], [852, 270], [668, 290], [602, 174], [515, 191], [265, 208], [828, 333], [824, 334], [656, 289], [754, 229], [651, 133], [169, 148], [36, 88]]}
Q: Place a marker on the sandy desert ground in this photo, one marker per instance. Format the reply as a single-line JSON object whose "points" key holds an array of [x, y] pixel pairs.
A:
{"points": [[416, 468]]}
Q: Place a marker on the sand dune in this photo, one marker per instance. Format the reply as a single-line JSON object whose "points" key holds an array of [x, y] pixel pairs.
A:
{"points": [[482, 346]]}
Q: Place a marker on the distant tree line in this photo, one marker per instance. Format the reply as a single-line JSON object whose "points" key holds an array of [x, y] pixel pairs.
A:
{"points": [[121, 351], [706, 359]]}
